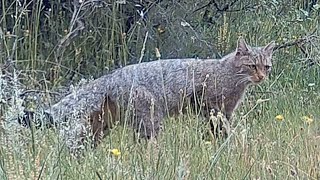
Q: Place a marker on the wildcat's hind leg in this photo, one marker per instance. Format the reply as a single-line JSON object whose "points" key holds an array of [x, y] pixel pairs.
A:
{"points": [[80, 131], [102, 121]]}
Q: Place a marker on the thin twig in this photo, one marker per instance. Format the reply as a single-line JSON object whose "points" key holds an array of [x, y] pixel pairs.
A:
{"points": [[143, 47]]}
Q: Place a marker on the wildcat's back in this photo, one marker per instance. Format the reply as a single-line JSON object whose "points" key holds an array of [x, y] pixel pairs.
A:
{"points": [[165, 79], [143, 94]]}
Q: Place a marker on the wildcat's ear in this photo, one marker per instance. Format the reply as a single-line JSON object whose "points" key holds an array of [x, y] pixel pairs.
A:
{"points": [[242, 47], [268, 49]]}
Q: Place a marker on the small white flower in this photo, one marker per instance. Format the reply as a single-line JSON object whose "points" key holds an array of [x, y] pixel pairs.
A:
{"points": [[185, 24], [311, 84]]}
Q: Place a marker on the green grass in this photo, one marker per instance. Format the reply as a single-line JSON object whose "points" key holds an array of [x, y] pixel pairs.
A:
{"points": [[260, 147]]}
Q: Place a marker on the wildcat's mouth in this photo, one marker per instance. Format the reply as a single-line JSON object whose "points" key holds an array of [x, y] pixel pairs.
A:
{"points": [[257, 80]]}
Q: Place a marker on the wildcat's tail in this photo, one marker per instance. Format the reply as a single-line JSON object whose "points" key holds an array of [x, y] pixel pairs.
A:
{"points": [[31, 118]]}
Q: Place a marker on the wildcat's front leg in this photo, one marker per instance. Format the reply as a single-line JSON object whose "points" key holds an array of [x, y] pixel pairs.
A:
{"points": [[147, 113], [218, 115], [219, 120]]}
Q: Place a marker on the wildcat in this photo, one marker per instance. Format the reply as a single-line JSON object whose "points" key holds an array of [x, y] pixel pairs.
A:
{"points": [[142, 95]]}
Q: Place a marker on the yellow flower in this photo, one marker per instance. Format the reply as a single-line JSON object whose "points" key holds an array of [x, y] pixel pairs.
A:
{"points": [[279, 117], [307, 119], [207, 143], [115, 152], [161, 29]]}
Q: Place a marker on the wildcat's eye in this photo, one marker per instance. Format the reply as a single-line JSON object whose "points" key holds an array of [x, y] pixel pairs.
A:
{"points": [[268, 68], [251, 66]]}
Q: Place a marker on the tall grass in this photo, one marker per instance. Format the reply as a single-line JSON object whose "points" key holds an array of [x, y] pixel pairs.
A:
{"points": [[260, 147]]}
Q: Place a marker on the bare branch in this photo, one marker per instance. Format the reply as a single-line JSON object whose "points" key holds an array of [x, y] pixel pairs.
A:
{"points": [[205, 6], [304, 39], [65, 41]]}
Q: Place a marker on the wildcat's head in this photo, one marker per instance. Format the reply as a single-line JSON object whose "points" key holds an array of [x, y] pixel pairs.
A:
{"points": [[254, 63]]}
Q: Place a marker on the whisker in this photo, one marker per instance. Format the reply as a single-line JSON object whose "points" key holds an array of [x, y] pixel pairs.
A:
{"points": [[242, 74], [242, 80]]}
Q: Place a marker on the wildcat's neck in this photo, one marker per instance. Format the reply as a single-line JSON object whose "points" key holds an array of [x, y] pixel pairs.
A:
{"points": [[229, 57], [223, 72], [224, 66]]}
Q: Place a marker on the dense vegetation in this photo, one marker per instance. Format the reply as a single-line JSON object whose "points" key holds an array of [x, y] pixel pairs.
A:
{"points": [[47, 45]]}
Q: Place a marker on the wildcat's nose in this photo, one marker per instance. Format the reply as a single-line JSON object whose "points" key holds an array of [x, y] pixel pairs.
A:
{"points": [[261, 76]]}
